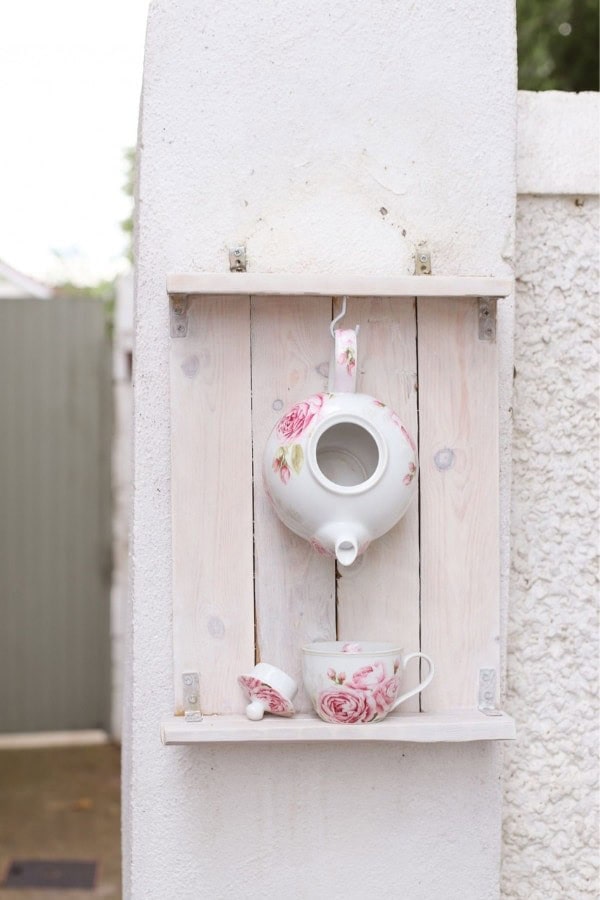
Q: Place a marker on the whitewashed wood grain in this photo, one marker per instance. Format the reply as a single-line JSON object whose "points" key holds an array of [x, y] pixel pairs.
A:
{"points": [[378, 596], [214, 384], [211, 488], [458, 419], [294, 586], [458, 725], [286, 284]]}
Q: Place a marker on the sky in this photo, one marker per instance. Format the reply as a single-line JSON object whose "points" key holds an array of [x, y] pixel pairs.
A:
{"points": [[70, 82]]}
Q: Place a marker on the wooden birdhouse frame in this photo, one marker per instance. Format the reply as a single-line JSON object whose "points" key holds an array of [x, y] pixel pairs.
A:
{"points": [[244, 347]]}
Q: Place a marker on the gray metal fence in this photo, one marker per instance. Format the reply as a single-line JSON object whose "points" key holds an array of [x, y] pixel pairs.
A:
{"points": [[55, 435]]}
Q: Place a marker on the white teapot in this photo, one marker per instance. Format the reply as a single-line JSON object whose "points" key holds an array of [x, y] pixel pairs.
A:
{"points": [[340, 468]]}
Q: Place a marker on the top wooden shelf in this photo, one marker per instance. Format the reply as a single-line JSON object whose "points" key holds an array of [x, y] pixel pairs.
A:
{"points": [[285, 284]]}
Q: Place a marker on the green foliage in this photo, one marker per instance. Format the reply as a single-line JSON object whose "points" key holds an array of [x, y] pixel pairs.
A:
{"points": [[102, 290], [129, 191], [558, 45]]}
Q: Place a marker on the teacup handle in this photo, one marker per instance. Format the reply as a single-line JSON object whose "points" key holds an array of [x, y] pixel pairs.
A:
{"points": [[342, 372], [423, 684]]}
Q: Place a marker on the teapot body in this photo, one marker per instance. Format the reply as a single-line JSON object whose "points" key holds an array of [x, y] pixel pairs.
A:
{"points": [[340, 470]]}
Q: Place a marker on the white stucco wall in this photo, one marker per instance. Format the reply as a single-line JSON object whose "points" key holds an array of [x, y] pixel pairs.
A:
{"points": [[551, 772], [289, 127], [557, 143]]}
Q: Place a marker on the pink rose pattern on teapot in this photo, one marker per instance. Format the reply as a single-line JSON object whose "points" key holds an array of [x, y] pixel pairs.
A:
{"points": [[273, 700], [289, 456], [347, 357], [364, 697], [297, 420]]}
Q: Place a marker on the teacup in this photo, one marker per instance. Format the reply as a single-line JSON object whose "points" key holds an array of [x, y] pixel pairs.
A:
{"points": [[350, 682]]}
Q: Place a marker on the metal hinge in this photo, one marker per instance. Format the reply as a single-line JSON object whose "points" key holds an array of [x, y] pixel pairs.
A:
{"points": [[487, 319], [423, 261], [487, 693], [191, 696], [237, 258], [178, 313]]}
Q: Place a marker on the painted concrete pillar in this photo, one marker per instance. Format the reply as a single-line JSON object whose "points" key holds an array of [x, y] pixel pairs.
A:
{"points": [[326, 137]]}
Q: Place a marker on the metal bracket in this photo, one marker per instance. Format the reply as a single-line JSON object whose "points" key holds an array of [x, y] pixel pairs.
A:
{"points": [[191, 696], [487, 319], [423, 261], [487, 693], [178, 313], [237, 259]]}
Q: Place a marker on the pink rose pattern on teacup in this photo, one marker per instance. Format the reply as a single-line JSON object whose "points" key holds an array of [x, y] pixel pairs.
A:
{"points": [[347, 706], [273, 700], [368, 677], [336, 677], [385, 693], [364, 697]]}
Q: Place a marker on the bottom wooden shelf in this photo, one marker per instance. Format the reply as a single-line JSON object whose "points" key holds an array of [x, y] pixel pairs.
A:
{"points": [[457, 725]]}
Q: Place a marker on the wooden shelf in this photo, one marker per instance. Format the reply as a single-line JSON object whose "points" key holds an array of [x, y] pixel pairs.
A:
{"points": [[456, 726], [284, 284]]}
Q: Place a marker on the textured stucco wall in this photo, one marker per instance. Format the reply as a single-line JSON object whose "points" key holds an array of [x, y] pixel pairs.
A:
{"points": [[289, 127], [550, 849]]}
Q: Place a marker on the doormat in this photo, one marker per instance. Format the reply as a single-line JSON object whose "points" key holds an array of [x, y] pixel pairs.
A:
{"points": [[50, 873]]}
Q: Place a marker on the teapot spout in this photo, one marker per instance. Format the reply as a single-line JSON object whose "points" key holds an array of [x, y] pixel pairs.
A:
{"points": [[345, 540], [346, 550]]}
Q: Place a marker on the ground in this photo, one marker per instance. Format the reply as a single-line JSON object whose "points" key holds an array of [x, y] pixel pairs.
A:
{"points": [[61, 803]]}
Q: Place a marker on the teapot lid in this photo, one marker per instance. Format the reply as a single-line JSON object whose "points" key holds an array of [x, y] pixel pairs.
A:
{"points": [[259, 692]]}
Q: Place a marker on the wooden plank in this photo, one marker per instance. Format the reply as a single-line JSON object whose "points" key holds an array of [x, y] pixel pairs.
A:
{"points": [[378, 596], [324, 285], [294, 586], [453, 726], [458, 420], [211, 487]]}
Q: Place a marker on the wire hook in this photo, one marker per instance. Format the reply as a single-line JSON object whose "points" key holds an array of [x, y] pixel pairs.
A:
{"points": [[338, 317], [341, 316]]}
